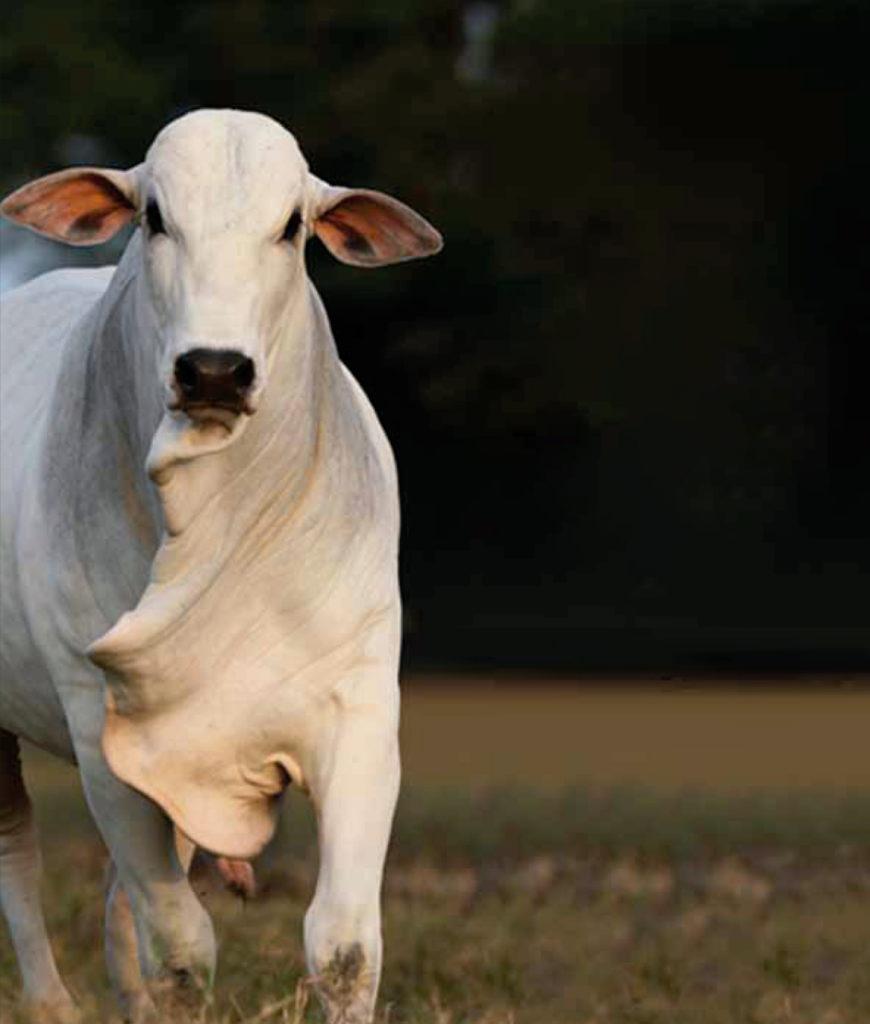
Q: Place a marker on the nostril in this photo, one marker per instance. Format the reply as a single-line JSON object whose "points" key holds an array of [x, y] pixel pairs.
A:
{"points": [[243, 374], [186, 374], [214, 378]]}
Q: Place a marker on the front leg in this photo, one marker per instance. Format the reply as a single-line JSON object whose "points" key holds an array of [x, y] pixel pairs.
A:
{"points": [[354, 798], [174, 934], [122, 951]]}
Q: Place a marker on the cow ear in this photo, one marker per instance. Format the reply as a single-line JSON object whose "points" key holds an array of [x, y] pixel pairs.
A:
{"points": [[79, 206], [370, 229]]}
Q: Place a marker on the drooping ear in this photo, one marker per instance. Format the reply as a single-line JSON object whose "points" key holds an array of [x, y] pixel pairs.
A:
{"points": [[79, 206], [370, 229]]}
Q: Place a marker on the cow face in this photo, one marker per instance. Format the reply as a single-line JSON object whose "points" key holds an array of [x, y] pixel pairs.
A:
{"points": [[223, 200], [225, 203]]}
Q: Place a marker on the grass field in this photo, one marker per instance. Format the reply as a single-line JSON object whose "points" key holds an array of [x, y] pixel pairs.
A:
{"points": [[562, 855]]}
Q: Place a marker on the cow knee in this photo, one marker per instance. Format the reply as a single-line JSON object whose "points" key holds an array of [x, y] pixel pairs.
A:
{"points": [[343, 951], [183, 943]]}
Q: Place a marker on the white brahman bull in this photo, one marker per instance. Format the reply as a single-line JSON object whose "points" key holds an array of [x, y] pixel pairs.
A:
{"points": [[200, 526]]}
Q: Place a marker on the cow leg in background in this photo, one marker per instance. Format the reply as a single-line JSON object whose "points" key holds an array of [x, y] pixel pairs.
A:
{"points": [[122, 954], [173, 931], [354, 801], [20, 868]]}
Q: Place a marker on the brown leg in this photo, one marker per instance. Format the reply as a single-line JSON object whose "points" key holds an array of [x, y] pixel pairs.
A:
{"points": [[122, 954], [20, 869]]}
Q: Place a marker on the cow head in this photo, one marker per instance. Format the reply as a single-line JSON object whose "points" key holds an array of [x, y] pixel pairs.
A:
{"points": [[225, 204]]}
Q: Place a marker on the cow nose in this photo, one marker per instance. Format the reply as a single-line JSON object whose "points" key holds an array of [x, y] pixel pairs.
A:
{"points": [[214, 377]]}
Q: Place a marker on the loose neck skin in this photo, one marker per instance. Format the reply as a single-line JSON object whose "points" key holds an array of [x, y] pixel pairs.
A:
{"points": [[232, 498]]}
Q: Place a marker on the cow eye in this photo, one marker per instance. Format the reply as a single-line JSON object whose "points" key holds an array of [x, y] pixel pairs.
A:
{"points": [[154, 218], [292, 226]]}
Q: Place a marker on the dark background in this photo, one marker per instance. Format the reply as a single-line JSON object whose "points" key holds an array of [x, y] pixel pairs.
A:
{"points": [[629, 399]]}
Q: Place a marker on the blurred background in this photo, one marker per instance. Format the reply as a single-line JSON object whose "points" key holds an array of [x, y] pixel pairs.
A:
{"points": [[629, 406], [629, 399]]}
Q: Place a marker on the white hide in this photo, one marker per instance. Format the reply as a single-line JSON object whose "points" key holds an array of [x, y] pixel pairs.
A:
{"points": [[212, 606]]}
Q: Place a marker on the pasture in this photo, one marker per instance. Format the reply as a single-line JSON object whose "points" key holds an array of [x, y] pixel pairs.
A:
{"points": [[618, 854]]}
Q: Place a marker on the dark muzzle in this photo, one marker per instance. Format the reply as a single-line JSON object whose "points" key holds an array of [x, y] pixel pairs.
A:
{"points": [[214, 379]]}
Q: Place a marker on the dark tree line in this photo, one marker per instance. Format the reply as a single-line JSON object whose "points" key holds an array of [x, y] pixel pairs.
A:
{"points": [[628, 400]]}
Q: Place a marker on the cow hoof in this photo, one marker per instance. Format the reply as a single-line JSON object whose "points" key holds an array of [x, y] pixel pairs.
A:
{"points": [[138, 1008], [345, 987], [180, 994], [56, 1011]]}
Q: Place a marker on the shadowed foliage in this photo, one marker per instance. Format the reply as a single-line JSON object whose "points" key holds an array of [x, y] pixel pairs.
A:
{"points": [[628, 398]]}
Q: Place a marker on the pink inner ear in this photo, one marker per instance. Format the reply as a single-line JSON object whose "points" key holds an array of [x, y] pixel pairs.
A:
{"points": [[369, 230], [83, 208]]}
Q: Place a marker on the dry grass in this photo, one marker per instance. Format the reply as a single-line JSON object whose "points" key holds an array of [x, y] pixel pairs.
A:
{"points": [[612, 900]]}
